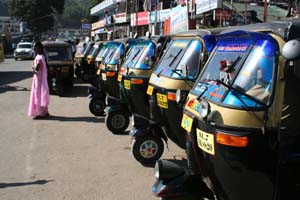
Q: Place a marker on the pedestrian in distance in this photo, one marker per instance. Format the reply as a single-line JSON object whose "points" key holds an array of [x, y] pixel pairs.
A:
{"points": [[39, 96]]}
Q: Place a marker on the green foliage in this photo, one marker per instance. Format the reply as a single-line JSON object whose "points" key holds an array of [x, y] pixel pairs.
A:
{"points": [[39, 14]]}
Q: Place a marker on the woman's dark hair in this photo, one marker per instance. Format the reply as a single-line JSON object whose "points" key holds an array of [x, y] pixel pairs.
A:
{"points": [[39, 45]]}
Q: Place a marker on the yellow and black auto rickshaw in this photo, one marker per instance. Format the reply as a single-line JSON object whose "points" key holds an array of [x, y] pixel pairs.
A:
{"points": [[108, 60], [242, 119], [134, 76], [60, 66], [168, 88], [81, 61], [89, 72]]}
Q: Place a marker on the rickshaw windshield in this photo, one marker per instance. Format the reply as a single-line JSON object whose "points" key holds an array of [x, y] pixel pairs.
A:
{"points": [[239, 74], [87, 50], [103, 51], [182, 59], [140, 56], [58, 53], [95, 50], [116, 52]]}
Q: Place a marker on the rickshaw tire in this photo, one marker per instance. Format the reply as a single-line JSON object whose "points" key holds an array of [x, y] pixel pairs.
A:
{"points": [[92, 107], [85, 76], [136, 145], [109, 122]]}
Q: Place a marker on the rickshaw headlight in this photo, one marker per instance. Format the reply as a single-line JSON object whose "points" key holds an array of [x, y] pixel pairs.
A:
{"points": [[178, 95], [204, 109]]}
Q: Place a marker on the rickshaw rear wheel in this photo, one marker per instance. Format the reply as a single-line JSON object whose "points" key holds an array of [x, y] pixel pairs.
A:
{"points": [[116, 122], [97, 107], [147, 149]]}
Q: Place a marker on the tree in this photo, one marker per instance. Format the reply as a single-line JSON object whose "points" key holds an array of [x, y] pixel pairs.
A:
{"points": [[39, 14]]}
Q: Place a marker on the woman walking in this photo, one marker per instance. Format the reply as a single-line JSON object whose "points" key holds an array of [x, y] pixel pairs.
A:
{"points": [[39, 97]]}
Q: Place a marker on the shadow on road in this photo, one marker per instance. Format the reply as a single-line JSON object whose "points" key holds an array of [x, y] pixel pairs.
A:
{"points": [[74, 119], [18, 184], [8, 88], [77, 91], [11, 77]]}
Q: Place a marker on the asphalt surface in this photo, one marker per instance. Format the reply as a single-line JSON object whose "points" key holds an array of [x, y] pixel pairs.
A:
{"points": [[70, 155]]}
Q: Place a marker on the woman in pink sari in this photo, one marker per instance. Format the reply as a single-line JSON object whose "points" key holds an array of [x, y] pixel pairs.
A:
{"points": [[39, 97]]}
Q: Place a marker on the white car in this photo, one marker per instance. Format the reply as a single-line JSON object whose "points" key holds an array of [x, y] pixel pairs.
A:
{"points": [[24, 50]]}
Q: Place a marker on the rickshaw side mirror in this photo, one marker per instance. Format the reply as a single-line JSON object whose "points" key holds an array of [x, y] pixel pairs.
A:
{"points": [[291, 50]]}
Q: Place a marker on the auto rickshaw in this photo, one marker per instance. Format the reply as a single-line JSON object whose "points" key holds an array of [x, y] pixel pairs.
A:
{"points": [[168, 88], [242, 120], [108, 60], [79, 51], [60, 66], [90, 70], [134, 76], [81, 62]]}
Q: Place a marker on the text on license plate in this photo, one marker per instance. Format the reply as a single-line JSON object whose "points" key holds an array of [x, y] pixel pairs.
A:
{"points": [[162, 100], [127, 84], [187, 123], [205, 141], [98, 72]]}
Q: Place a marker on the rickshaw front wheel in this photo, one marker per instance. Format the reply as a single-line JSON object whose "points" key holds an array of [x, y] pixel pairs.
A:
{"points": [[116, 122], [97, 107], [147, 149], [85, 76]]}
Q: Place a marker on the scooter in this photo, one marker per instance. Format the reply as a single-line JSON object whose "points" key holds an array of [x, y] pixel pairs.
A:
{"points": [[241, 118], [133, 81]]}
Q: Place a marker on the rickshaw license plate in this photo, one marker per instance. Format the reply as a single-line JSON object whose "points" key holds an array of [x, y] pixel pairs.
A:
{"points": [[127, 84], [205, 141], [98, 72], [162, 100], [65, 69], [103, 76], [186, 123], [120, 77], [149, 90]]}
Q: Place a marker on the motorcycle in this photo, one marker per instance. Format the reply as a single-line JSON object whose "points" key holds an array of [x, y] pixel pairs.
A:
{"points": [[241, 119]]}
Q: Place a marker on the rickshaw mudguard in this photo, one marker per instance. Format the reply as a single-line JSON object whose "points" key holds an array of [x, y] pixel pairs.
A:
{"points": [[94, 93], [115, 104], [152, 129]]}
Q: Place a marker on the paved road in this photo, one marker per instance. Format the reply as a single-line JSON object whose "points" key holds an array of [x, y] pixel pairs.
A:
{"points": [[71, 155]]}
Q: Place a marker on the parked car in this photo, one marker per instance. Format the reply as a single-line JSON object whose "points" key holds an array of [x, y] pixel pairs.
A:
{"points": [[24, 50]]}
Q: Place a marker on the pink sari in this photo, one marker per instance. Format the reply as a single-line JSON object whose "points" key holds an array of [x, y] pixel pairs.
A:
{"points": [[39, 97]]}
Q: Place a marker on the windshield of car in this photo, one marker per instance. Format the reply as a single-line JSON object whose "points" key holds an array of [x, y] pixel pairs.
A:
{"points": [[181, 60], [116, 52], [245, 69], [25, 46], [58, 53], [140, 56]]}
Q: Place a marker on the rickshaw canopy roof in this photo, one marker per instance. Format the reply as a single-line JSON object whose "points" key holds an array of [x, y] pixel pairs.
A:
{"points": [[56, 43]]}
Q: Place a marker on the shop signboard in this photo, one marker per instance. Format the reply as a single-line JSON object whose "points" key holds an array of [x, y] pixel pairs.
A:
{"points": [[179, 19], [138, 19], [98, 24], [203, 6], [161, 15], [120, 18], [223, 14], [96, 10]]}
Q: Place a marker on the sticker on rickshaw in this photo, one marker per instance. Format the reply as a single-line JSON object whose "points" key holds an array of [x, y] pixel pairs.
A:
{"points": [[98, 72], [103, 76], [65, 69], [89, 62], [120, 77], [186, 123], [205, 141], [150, 90], [162, 100], [127, 84]]}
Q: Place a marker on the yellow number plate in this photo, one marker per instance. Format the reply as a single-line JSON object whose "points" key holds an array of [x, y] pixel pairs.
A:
{"points": [[206, 142], [186, 123], [98, 72], [149, 90], [120, 77], [65, 69], [89, 62], [162, 100], [127, 84], [103, 76]]}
